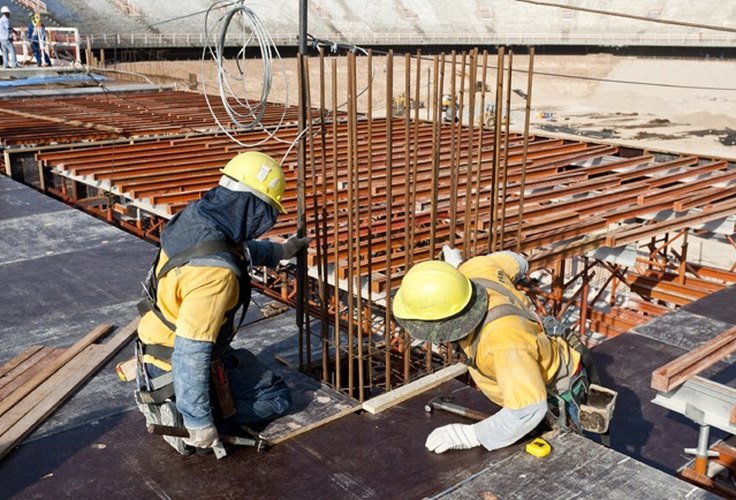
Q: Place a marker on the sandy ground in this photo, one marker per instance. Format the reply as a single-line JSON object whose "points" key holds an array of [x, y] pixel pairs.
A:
{"points": [[679, 105]]}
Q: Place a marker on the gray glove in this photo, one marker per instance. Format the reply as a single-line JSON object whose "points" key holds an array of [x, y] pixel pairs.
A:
{"points": [[452, 437], [292, 246], [207, 437]]}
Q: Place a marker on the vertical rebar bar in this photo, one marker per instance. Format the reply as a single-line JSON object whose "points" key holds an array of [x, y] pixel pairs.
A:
{"points": [[336, 228], [470, 161], [388, 330], [369, 272], [351, 101], [522, 183], [355, 195], [322, 242], [301, 268], [415, 156], [453, 149], [497, 149], [506, 152], [407, 209], [436, 104], [310, 143], [481, 130]]}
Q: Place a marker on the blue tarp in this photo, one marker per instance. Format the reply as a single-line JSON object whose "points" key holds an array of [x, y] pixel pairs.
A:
{"points": [[44, 80]]}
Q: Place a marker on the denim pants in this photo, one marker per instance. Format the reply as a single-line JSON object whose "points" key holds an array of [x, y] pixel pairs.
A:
{"points": [[259, 394], [9, 58]]}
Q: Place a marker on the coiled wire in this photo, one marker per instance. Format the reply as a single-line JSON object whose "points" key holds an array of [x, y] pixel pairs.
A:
{"points": [[244, 115]]}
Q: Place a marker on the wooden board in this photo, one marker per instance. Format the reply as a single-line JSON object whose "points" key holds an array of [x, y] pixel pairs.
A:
{"points": [[674, 373], [58, 363], [26, 370], [391, 398], [20, 358], [35, 407], [313, 405]]}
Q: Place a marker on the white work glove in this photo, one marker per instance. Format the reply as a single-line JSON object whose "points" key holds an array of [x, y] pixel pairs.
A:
{"points": [[452, 437], [207, 437], [451, 255], [292, 246]]}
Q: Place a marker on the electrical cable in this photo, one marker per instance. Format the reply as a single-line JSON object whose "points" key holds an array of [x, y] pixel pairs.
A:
{"points": [[632, 16]]}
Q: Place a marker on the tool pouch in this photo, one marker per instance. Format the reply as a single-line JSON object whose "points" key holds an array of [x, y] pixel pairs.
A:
{"points": [[596, 413], [221, 386]]}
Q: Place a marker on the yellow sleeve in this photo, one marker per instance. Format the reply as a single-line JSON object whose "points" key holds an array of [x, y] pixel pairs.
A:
{"points": [[501, 267], [207, 295], [519, 378]]}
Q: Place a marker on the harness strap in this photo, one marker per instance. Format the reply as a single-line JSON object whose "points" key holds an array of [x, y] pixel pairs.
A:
{"points": [[210, 247], [158, 351]]}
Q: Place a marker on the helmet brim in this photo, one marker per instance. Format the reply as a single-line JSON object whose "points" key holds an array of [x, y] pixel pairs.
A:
{"points": [[455, 327]]}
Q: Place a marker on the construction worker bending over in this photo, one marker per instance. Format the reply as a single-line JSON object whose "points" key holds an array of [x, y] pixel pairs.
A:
{"points": [[512, 361], [199, 280]]}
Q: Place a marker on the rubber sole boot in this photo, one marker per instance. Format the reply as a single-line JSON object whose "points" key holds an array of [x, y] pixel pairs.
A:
{"points": [[170, 416]]}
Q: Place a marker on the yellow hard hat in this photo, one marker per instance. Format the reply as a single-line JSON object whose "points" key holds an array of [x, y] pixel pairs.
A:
{"points": [[261, 174], [436, 302]]}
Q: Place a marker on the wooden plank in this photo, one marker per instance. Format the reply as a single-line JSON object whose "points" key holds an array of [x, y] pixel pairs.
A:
{"points": [[674, 373], [19, 359], [48, 396], [27, 370], [733, 415], [69, 354], [313, 405], [391, 398]]}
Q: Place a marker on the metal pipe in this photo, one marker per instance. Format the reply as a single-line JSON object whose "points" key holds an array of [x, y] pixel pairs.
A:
{"points": [[406, 353], [701, 456]]}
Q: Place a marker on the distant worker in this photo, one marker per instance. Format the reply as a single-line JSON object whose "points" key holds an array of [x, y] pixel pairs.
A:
{"points": [[39, 40], [7, 34], [512, 361], [198, 281], [449, 109]]}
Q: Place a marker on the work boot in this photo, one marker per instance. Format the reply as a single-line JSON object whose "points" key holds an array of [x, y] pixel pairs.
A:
{"points": [[170, 416]]}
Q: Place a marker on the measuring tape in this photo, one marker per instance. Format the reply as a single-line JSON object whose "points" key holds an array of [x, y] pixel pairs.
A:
{"points": [[538, 447]]}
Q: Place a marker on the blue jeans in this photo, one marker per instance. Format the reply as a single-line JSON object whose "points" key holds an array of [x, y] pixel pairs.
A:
{"points": [[9, 58], [258, 393]]}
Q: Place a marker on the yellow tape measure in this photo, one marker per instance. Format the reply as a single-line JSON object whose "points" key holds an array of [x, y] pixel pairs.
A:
{"points": [[538, 447]]}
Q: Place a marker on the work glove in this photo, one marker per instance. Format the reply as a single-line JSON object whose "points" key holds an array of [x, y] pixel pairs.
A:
{"points": [[207, 437], [292, 246], [452, 256], [452, 437]]}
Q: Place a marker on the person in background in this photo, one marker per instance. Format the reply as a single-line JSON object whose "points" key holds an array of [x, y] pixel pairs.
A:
{"points": [[6, 39], [38, 36]]}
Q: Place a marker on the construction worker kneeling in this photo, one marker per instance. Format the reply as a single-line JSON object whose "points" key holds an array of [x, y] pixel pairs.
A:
{"points": [[199, 280], [529, 373]]}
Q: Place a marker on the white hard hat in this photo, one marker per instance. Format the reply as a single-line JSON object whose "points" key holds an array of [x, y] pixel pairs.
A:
{"points": [[4, 10]]}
